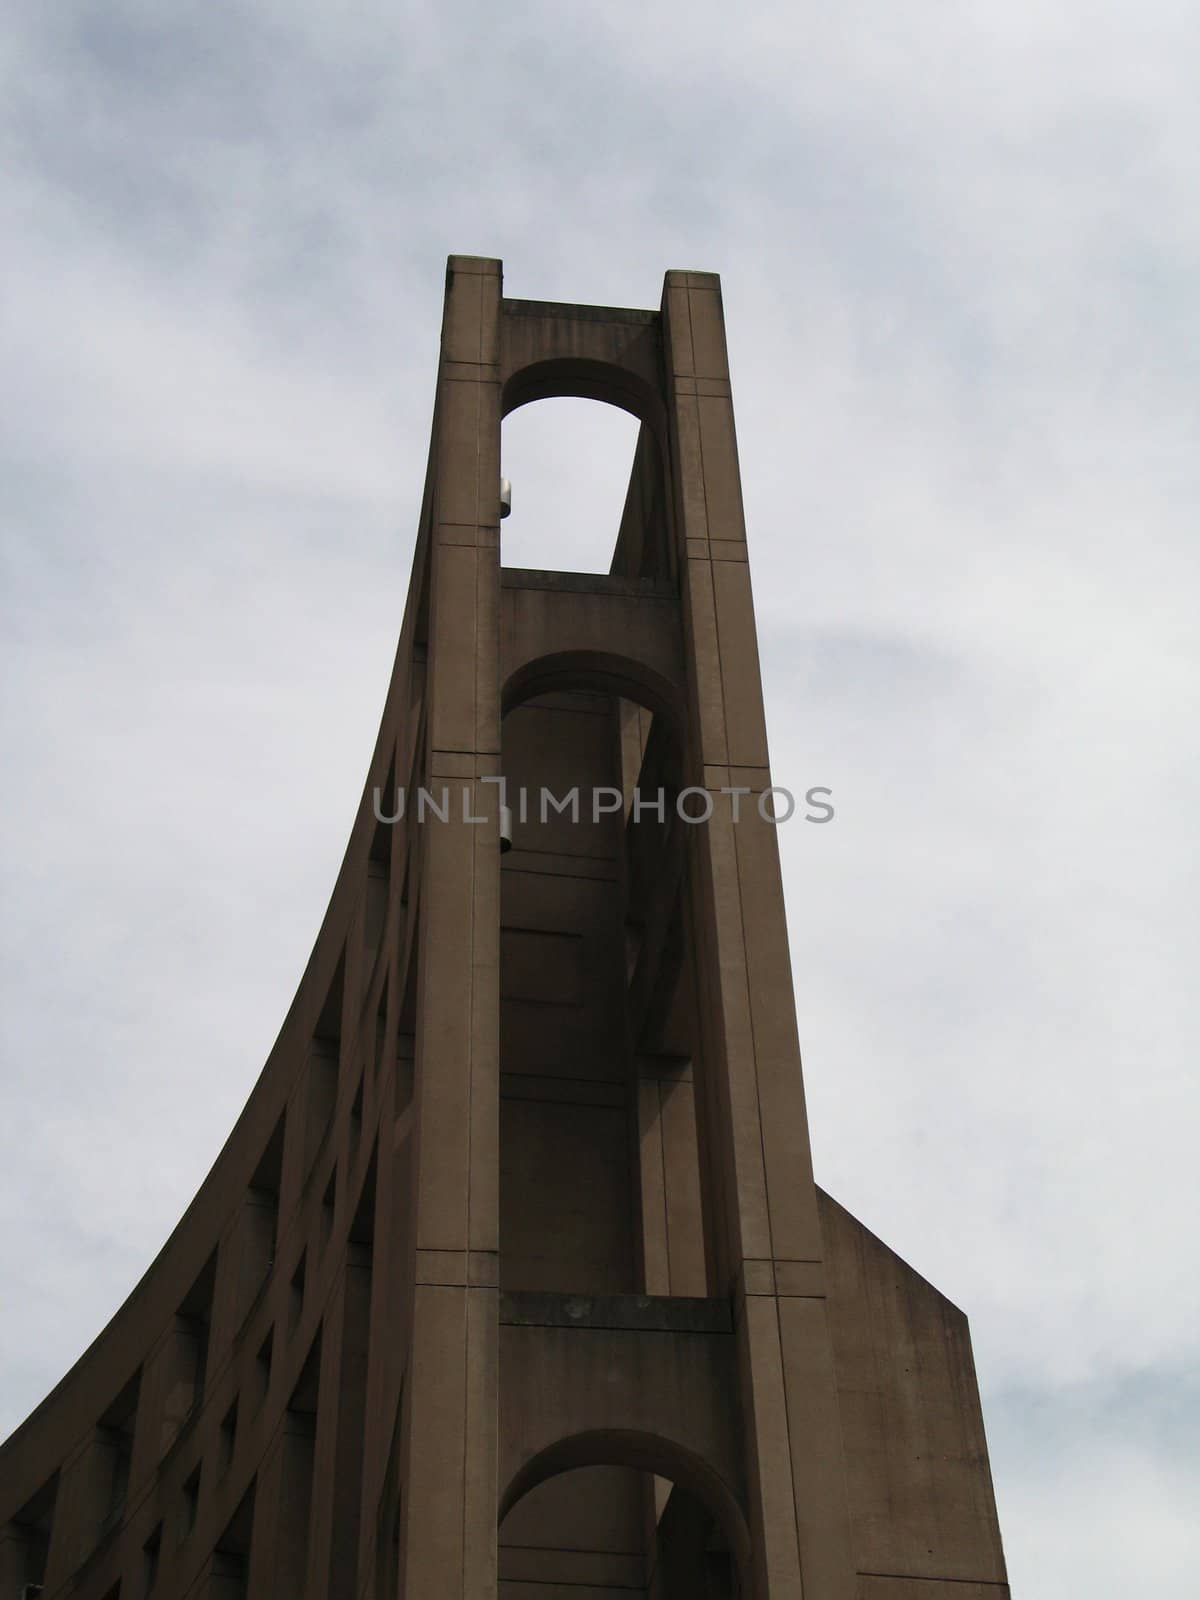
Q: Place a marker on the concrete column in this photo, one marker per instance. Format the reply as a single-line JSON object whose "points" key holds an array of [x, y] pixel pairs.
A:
{"points": [[341, 1410], [172, 1377], [669, 1177], [389, 1262], [448, 1465], [85, 1489], [756, 1132], [222, 1577], [245, 1258], [15, 1560], [278, 1563]]}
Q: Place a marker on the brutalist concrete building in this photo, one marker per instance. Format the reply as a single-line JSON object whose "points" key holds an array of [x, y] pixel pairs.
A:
{"points": [[512, 1279]]}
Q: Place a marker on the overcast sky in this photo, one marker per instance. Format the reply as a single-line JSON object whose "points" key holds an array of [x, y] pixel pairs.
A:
{"points": [[959, 247]]}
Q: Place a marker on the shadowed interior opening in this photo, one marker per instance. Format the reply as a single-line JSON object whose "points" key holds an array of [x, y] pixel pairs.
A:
{"points": [[613, 1531]]}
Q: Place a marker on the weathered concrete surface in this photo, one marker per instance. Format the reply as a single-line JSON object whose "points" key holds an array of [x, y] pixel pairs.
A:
{"points": [[923, 1515]]}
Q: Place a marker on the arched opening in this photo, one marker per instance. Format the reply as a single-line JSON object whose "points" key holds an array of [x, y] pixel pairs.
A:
{"points": [[586, 378], [569, 462], [600, 672], [621, 1515]]}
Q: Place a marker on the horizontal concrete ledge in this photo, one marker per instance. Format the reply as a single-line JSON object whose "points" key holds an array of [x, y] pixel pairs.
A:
{"points": [[638, 1313], [586, 583], [872, 1578], [561, 308]]}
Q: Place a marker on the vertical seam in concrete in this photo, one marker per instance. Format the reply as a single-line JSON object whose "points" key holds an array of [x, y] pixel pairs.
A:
{"points": [[736, 857], [708, 531], [666, 1210], [737, 867], [787, 1424]]}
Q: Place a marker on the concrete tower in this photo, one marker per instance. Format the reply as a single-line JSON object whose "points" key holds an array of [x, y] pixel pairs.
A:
{"points": [[512, 1279]]}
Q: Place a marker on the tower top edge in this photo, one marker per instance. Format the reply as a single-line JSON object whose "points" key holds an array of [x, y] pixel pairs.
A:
{"points": [[493, 267], [486, 266], [678, 278]]}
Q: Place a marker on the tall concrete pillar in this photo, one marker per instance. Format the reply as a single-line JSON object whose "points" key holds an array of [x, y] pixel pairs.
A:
{"points": [[770, 1250], [448, 1467]]}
